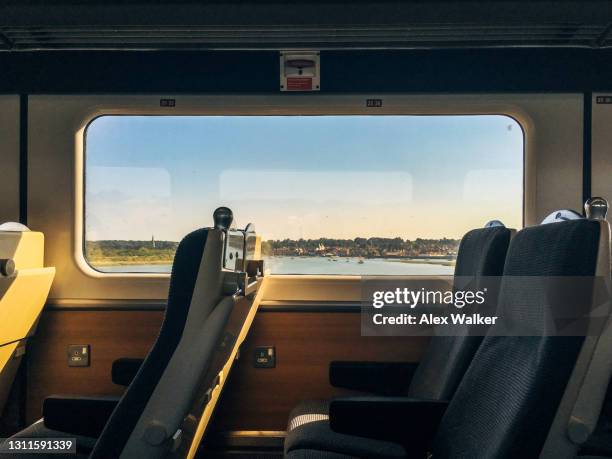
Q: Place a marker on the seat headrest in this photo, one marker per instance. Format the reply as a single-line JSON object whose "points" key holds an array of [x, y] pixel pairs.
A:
{"points": [[13, 227], [494, 223], [561, 215], [482, 251], [546, 253]]}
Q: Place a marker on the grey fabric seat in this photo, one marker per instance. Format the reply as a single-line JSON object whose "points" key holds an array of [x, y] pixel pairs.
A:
{"points": [[315, 433], [506, 402], [482, 252]]}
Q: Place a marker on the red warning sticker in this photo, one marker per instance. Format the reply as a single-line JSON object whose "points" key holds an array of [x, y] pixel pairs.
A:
{"points": [[299, 84]]}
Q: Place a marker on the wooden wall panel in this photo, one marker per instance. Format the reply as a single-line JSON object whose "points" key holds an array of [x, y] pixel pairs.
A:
{"points": [[111, 334], [306, 342], [253, 399]]}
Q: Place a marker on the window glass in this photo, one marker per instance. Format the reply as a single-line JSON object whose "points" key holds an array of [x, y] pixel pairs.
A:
{"points": [[371, 195]]}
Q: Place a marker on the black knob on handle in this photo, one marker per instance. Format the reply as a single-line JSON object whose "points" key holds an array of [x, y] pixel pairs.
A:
{"points": [[596, 208], [7, 267], [223, 218]]}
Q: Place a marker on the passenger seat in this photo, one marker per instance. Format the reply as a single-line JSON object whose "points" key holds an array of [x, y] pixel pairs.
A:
{"points": [[196, 290], [506, 402], [24, 286], [482, 252]]}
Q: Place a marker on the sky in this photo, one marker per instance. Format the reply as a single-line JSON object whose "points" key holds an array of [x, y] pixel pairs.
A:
{"points": [[302, 176]]}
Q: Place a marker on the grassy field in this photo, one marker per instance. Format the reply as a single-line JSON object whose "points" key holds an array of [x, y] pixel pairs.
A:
{"points": [[105, 253]]}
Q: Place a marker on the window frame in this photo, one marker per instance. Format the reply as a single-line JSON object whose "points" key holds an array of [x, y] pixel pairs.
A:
{"points": [[521, 119]]}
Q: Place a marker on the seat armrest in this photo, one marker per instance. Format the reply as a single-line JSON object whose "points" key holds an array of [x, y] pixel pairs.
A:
{"points": [[408, 421], [124, 370], [386, 378], [78, 415]]}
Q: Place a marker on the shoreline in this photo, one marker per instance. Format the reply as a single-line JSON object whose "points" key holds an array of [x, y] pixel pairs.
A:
{"points": [[129, 262], [109, 262]]}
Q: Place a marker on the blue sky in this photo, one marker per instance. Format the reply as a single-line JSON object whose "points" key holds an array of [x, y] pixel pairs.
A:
{"points": [[302, 176]]}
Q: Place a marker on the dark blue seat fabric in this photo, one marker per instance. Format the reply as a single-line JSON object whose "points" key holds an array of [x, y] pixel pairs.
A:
{"points": [[182, 282], [507, 400], [482, 252]]}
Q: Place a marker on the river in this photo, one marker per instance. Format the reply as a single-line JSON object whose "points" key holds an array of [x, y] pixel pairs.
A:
{"points": [[321, 265]]}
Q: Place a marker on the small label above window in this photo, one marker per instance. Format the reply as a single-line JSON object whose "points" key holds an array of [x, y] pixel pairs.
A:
{"points": [[603, 99], [167, 102], [374, 103]]}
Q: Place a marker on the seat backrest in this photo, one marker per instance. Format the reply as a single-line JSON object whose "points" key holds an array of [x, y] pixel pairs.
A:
{"points": [[185, 269], [24, 286], [508, 397], [482, 252], [221, 286]]}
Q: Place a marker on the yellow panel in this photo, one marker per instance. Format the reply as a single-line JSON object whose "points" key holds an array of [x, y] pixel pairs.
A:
{"points": [[25, 248], [22, 297]]}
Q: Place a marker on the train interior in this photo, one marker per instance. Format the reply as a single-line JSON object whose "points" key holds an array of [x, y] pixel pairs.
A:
{"points": [[221, 225]]}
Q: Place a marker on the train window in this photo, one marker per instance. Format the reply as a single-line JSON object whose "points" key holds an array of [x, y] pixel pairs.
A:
{"points": [[350, 194]]}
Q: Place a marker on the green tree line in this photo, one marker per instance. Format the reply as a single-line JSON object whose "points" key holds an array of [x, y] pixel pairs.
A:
{"points": [[117, 252]]}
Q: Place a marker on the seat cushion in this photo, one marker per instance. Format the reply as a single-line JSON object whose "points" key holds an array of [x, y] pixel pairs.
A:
{"points": [[309, 430], [308, 411]]}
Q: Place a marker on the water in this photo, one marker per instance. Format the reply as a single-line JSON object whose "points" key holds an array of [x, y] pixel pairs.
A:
{"points": [[134, 268], [320, 265]]}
